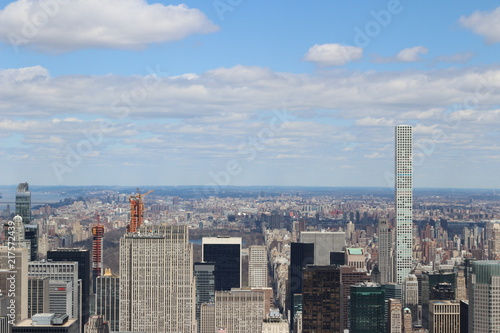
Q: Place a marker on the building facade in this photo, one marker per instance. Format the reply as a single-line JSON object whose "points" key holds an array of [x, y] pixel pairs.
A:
{"points": [[225, 252], [484, 298], [367, 308], [157, 291], [257, 266], [240, 310], [107, 299], [444, 316], [385, 245], [404, 202]]}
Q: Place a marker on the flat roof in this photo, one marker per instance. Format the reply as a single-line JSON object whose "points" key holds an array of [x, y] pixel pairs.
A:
{"points": [[29, 323]]}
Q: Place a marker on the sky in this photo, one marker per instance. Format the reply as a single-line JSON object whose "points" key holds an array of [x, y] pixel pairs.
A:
{"points": [[235, 92]]}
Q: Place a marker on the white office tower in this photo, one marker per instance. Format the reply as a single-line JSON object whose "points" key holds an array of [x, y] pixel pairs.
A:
{"points": [[410, 294], [404, 202], [324, 243], [385, 260], [64, 285], [240, 310], [14, 281], [257, 267], [157, 291], [484, 297]]}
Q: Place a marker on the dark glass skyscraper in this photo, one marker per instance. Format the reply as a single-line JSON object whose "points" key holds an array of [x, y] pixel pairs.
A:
{"points": [[301, 255], [23, 202], [367, 308], [205, 285], [321, 299], [225, 253], [84, 268]]}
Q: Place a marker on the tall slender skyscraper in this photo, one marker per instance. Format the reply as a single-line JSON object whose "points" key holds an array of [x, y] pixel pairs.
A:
{"points": [[385, 259], [483, 298], [404, 202], [157, 292], [257, 266]]}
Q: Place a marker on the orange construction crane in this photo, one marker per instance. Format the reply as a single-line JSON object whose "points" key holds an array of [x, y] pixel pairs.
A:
{"points": [[136, 211], [97, 235]]}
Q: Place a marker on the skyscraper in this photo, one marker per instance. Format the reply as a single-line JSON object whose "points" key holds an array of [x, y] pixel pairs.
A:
{"points": [[257, 266], [301, 255], [404, 202], [205, 286], [367, 308], [385, 242], [324, 243], [14, 271], [58, 272], [23, 202], [225, 252], [444, 316], [107, 298], [157, 291], [321, 299], [484, 300], [240, 310], [82, 257]]}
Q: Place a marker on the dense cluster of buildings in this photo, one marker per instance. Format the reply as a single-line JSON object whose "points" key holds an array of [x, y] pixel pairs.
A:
{"points": [[353, 263]]}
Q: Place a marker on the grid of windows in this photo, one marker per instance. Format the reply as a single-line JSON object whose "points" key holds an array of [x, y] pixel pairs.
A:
{"points": [[404, 202]]}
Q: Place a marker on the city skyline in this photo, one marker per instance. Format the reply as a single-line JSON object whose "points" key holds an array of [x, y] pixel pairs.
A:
{"points": [[247, 93]]}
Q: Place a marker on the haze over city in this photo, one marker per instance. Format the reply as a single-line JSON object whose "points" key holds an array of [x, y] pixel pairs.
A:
{"points": [[247, 92]]}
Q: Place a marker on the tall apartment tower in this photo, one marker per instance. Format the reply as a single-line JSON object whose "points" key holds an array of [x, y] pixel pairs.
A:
{"points": [[157, 292], [385, 241], [225, 252], [23, 202], [404, 202], [107, 298], [484, 301], [257, 267]]}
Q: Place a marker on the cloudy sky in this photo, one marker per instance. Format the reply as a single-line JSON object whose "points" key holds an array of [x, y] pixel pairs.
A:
{"points": [[234, 92]]}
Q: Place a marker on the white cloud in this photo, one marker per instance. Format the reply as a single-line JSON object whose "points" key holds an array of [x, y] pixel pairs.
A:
{"points": [[486, 24], [333, 54], [374, 122], [78, 24], [411, 54], [460, 58]]}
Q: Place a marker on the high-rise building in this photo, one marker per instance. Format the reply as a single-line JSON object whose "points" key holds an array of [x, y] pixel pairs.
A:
{"points": [[257, 266], [14, 271], [205, 286], [97, 324], [38, 295], [97, 249], [240, 310], [324, 243], [157, 292], [367, 308], [444, 316], [407, 321], [58, 272], [23, 202], [321, 298], [410, 294], [82, 257], [47, 323], [107, 299], [61, 298], [404, 202], [484, 297], [301, 255], [385, 245], [207, 318], [225, 252], [349, 276], [394, 316]]}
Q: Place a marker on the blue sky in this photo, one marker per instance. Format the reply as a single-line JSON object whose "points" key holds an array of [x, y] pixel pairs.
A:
{"points": [[235, 92]]}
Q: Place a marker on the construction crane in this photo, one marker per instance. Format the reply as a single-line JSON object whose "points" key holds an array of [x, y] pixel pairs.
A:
{"points": [[97, 235], [136, 210]]}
